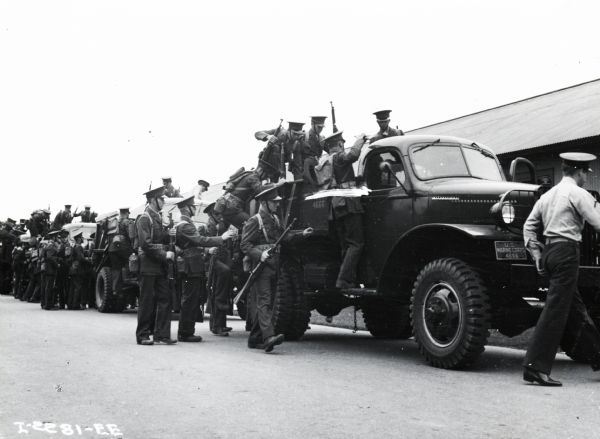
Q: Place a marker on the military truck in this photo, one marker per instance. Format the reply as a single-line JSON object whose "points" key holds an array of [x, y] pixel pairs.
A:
{"points": [[444, 259]]}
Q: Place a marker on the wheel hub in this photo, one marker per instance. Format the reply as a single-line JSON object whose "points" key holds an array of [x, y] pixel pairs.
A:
{"points": [[442, 314]]}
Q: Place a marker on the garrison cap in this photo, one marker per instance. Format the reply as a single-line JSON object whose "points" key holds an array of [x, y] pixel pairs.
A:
{"points": [[77, 233], [155, 193], [269, 193], [333, 137], [22, 221], [383, 115], [87, 207], [209, 209], [123, 209], [166, 179], [11, 221], [189, 201], [578, 160], [68, 206], [295, 126], [318, 120], [204, 183]]}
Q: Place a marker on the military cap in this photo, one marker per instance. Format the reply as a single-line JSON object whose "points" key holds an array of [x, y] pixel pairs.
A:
{"points": [[77, 233], [166, 179], [87, 207], [22, 221], [46, 211], [318, 120], [383, 115], [578, 160], [155, 193], [333, 137], [123, 209], [209, 209], [62, 232], [295, 126], [11, 221], [204, 183], [189, 201], [68, 206], [269, 193]]}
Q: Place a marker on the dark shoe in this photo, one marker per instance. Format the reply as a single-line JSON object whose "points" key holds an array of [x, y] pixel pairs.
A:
{"points": [[595, 366], [145, 341], [543, 379], [256, 346], [189, 338], [273, 341], [52, 308], [220, 332], [167, 341], [227, 329]]}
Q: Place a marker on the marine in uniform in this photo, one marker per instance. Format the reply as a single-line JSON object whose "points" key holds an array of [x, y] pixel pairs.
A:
{"points": [[8, 239], [49, 269], [120, 248], [220, 277], [33, 291], [202, 187], [260, 232], [87, 216], [559, 215], [62, 274], [62, 217], [346, 212], [170, 190], [18, 266], [288, 141], [77, 261], [242, 188], [385, 130], [191, 242], [154, 311], [38, 223]]}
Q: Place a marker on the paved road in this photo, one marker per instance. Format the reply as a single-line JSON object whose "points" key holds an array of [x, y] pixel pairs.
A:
{"points": [[83, 369]]}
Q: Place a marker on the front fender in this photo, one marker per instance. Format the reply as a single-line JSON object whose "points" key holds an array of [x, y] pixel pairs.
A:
{"points": [[478, 231]]}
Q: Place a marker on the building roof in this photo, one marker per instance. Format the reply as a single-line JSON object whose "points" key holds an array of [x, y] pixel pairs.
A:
{"points": [[563, 115]]}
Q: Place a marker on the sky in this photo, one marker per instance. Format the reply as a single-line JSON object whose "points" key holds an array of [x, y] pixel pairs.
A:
{"points": [[99, 99]]}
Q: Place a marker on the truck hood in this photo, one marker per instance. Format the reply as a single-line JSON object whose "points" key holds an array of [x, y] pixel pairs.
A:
{"points": [[476, 188]]}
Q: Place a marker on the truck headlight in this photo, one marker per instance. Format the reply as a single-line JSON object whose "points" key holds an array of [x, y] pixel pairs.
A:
{"points": [[508, 213]]}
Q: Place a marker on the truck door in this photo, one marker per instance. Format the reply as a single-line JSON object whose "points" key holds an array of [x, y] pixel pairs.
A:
{"points": [[388, 209]]}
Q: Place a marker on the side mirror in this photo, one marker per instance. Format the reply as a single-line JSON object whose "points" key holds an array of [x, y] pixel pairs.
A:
{"points": [[513, 169]]}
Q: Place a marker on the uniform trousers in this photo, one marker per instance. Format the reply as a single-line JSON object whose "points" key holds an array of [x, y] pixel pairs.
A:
{"points": [[32, 293], [349, 228], [154, 311], [48, 282], [219, 301], [75, 299], [262, 309], [190, 304], [564, 310], [18, 285]]}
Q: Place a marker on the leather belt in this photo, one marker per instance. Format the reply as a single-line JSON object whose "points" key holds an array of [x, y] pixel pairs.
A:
{"points": [[558, 239]]}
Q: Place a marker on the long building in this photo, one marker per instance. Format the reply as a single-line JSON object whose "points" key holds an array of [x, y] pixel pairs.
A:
{"points": [[538, 128]]}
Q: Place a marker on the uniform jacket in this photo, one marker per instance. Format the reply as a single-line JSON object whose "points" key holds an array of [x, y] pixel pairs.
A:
{"points": [[389, 132], [63, 217], [152, 238], [18, 258], [344, 173], [247, 187], [77, 260], [290, 145], [190, 241], [254, 241], [38, 225], [49, 258], [88, 217], [313, 145]]}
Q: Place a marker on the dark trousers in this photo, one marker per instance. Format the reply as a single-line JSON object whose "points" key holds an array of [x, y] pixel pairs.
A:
{"points": [[349, 228], [75, 298], [564, 310], [62, 287], [5, 278], [18, 285], [237, 217], [262, 325], [32, 293], [190, 304], [48, 282], [219, 300], [154, 312]]}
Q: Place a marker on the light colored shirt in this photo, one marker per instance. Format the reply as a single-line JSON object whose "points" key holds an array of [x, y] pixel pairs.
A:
{"points": [[562, 212]]}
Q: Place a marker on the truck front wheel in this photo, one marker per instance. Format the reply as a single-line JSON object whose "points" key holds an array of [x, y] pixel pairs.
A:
{"points": [[450, 311]]}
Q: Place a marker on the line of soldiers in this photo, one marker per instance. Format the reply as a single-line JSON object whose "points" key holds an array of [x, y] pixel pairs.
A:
{"points": [[156, 251]]}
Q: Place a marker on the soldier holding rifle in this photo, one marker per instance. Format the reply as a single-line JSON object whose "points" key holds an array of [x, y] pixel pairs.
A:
{"points": [[190, 241]]}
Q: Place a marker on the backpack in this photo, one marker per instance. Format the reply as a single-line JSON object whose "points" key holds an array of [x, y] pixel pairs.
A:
{"points": [[235, 179]]}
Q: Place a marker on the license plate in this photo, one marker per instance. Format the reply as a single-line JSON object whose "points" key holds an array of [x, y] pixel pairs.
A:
{"points": [[510, 251]]}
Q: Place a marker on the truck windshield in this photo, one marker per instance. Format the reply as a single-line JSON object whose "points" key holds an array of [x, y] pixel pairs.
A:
{"points": [[439, 161]]}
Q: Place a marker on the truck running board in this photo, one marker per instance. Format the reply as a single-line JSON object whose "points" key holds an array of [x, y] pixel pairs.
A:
{"points": [[360, 291]]}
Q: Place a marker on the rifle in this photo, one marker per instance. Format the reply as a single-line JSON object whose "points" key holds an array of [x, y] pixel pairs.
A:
{"points": [[281, 151], [261, 265], [335, 128], [171, 264]]}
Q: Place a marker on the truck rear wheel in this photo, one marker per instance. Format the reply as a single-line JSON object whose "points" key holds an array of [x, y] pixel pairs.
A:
{"points": [[388, 320], [290, 311], [450, 312], [106, 301]]}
